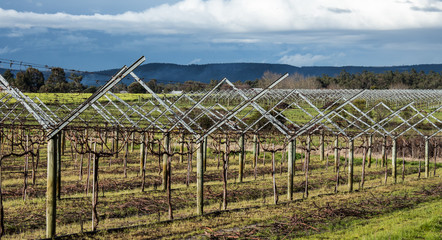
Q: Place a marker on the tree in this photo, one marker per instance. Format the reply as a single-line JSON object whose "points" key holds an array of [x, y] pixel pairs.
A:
{"points": [[75, 85], [136, 87], [119, 87], [190, 86], [212, 84], [57, 76], [9, 76], [267, 78], [56, 82], [90, 89], [29, 81], [153, 85]]}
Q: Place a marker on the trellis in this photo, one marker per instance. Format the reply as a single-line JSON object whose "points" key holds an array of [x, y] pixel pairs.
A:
{"points": [[349, 114]]}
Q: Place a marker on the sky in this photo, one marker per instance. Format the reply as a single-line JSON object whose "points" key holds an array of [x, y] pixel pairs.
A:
{"points": [[94, 35]]}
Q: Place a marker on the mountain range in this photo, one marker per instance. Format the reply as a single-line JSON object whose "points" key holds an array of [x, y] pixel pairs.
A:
{"points": [[173, 73]]}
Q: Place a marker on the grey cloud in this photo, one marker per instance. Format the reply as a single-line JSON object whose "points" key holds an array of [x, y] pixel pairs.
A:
{"points": [[339, 10], [426, 9]]}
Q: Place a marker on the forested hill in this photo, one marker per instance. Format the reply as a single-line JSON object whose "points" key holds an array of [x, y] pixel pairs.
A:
{"points": [[173, 73], [165, 72]]}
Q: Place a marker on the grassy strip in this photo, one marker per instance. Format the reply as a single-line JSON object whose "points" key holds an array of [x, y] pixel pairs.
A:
{"points": [[396, 211], [422, 222]]}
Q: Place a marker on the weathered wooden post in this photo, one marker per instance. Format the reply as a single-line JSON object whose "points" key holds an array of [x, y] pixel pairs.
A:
{"points": [[364, 158], [58, 156], [166, 144], [95, 190], [307, 165], [126, 155], [255, 150], [182, 148], [350, 165], [394, 159], [132, 142], [241, 158], [370, 146], [200, 179], [427, 157], [275, 190], [321, 146], [142, 152], [291, 168], [117, 139], [384, 151], [225, 166], [63, 142], [205, 154], [336, 152], [51, 191]]}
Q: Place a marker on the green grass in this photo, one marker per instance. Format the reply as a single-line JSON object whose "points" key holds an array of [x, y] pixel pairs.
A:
{"points": [[268, 221], [421, 222]]}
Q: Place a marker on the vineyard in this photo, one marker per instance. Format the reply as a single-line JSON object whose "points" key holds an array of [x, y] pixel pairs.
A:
{"points": [[83, 165]]}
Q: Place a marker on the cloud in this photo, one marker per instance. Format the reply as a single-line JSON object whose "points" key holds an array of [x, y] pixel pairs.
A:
{"points": [[302, 60], [339, 10], [18, 32], [6, 50], [428, 6], [235, 40], [74, 39], [240, 16], [426, 9]]}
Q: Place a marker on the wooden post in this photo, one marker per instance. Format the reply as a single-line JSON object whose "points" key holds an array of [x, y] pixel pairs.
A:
{"points": [[255, 150], [370, 146], [12, 139], [205, 154], [58, 155], [95, 190], [142, 152], [350, 165], [51, 195], [275, 190], [165, 158], [225, 166], [291, 168], [25, 170], [427, 157], [117, 136], [63, 142], [200, 179], [241, 158], [336, 152], [321, 146], [394, 159], [306, 164], [126, 154], [132, 142], [384, 151], [182, 148]]}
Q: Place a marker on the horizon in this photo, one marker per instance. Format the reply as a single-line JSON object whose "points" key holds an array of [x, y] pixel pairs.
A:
{"points": [[39, 66]]}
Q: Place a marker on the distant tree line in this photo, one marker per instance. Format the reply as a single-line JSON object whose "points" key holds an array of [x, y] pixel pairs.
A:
{"points": [[363, 80], [386, 80], [344, 80], [32, 80]]}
